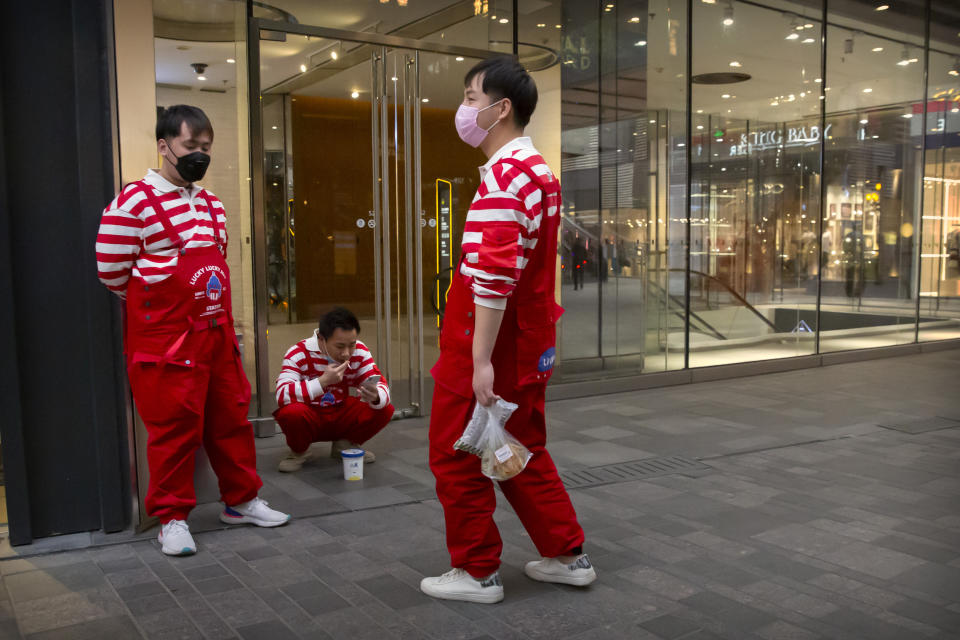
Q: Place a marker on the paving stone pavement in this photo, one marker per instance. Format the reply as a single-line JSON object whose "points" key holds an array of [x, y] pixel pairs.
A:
{"points": [[827, 505]]}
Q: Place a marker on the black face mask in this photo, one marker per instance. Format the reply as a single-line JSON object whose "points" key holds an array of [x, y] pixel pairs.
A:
{"points": [[192, 166]]}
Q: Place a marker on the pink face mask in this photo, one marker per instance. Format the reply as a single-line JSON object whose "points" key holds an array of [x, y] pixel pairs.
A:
{"points": [[467, 127]]}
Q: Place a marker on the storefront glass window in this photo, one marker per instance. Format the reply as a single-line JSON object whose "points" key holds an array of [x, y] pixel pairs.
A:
{"points": [[940, 226], [623, 131], [756, 181], [874, 89]]}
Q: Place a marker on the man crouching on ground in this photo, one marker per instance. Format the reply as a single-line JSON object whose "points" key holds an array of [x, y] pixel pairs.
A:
{"points": [[313, 392]]}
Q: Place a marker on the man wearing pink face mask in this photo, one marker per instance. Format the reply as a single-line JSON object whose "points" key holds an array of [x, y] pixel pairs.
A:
{"points": [[498, 341]]}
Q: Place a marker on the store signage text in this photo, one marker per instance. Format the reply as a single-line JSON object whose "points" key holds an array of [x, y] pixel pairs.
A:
{"points": [[762, 140]]}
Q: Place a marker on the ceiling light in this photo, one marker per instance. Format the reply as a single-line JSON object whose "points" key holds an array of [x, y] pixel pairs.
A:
{"points": [[274, 127], [541, 25], [734, 63], [725, 96], [709, 1], [355, 95], [877, 49], [201, 77], [333, 54], [425, 100], [699, 126], [653, 122], [774, 104], [635, 19], [808, 26], [792, 36], [640, 43], [728, 15], [231, 61], [907, 115], [818, 80], [504, 20], [808, 40], [394, 78], [557, 26], [699, 110], [882, 7], [303, 68], [864, 121], [868, 90], [459, 58]]}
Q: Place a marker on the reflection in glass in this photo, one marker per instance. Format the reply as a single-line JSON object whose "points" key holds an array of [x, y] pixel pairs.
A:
{"points": [[756, 182], [872, 174], [940, 226]]}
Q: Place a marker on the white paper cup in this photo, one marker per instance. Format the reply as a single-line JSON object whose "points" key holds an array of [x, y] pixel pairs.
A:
{"points": [[352, 464]]}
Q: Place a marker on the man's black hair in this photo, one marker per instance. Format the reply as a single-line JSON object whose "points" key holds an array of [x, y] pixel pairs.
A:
{"points": [[505, 77], [337, 318], [170, 120]]}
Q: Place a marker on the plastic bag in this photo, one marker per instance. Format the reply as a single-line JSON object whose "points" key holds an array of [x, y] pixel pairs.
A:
{"points": [[501, 455]]}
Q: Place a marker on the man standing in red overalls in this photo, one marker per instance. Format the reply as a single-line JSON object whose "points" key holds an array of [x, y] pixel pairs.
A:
{"points": [[498, 340], [162, 248]]}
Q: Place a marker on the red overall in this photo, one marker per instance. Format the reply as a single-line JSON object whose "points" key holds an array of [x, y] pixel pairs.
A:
{"points": [[184, 367], [352, 419], [523, 360]]}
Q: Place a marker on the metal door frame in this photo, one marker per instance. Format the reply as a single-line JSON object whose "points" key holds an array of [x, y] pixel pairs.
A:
{"points": [[263, 384]]}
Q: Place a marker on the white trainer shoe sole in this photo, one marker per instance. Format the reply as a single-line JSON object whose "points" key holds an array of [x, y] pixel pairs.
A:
{"points": [[463, 596], [227, 518], [581, 579]]}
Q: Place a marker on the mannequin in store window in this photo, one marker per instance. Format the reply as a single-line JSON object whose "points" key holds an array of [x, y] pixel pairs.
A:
{"points": [[853, 274], [578, 254]]}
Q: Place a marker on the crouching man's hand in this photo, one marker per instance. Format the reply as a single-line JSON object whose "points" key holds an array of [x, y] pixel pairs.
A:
{"points": [[369, 394]]}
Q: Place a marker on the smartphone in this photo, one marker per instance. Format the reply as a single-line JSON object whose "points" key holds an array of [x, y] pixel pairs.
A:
{"points": [[371, 382]]}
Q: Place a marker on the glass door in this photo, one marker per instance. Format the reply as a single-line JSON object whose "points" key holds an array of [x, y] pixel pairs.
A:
{"points": [[358, 172]]}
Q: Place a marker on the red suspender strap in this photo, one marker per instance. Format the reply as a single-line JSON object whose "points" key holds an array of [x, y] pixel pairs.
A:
{"points": [[220, 238], [158, 209]]}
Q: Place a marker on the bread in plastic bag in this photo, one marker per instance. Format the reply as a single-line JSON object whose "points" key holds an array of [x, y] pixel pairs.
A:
{"points": [[501, 455]]}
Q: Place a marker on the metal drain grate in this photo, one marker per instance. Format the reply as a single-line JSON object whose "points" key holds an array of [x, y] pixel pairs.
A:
{"points": [[923, 425], [634, 470]]}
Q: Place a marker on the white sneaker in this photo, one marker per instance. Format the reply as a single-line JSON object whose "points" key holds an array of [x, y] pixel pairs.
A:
{"points": [[294, 461], [457, 584], [339, 445], [579, 573], [176, 540], [254, 512]]}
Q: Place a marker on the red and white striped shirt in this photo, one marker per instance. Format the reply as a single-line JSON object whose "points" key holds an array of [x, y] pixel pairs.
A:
{"points": [[503, 223], [132, 240], [305, 362]]}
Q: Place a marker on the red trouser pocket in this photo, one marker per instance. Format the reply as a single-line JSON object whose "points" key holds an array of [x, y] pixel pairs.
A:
{"points": [[166, 393]]}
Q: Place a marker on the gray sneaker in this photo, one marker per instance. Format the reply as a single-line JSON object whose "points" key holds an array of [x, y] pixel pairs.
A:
{"points": [[578, 573], [294, 461]]}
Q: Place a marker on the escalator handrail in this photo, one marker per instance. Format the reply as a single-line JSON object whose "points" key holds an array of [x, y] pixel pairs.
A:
{"points": [[736, 295]]}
